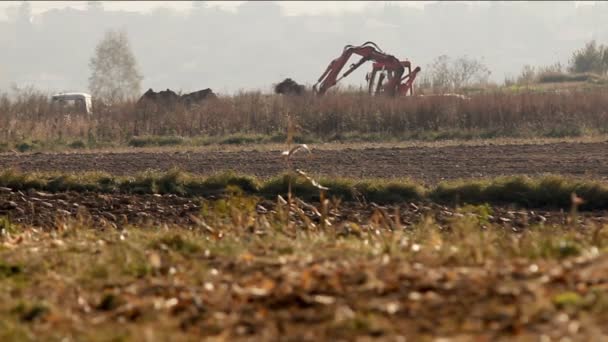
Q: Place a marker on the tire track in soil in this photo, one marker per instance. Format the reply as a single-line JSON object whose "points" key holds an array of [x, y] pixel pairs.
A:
{"points": [[427, 164]]}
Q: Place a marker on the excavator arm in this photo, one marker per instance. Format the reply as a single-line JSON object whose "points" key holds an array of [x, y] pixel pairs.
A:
{"points": [[406, 87], [368, 52]]}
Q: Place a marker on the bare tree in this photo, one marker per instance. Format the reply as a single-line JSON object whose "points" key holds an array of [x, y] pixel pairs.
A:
{"points": [[466, 71], [440, 73], [114, 73], [450, 74], [527, 75]]}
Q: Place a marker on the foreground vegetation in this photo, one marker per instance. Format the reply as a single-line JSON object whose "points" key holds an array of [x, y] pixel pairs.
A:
{"points": [[242, 274]]}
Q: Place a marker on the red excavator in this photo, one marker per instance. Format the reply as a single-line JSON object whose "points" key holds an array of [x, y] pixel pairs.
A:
{"points": [[387, 66]]}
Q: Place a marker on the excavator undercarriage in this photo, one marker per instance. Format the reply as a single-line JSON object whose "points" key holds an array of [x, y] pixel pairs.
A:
{"points": [[395, 77]]}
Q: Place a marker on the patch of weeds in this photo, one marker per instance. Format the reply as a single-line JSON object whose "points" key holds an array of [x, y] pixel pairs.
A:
{"points": [[560, 77], [30, 312], [482, 212], [360, 324], [297, 139], [107, 183], [566, 299], [26, 146], [210, 329], [227, 247], [69, 182], [564, 132], [599, 303], [176, 242], [144, 183], [7, 270], [147, 141], [362, 137], [459, 192], [546, 191], [235, 206], [517, 190], [389, 192], [171, 182], [202, 140], [550, 247], [91, 139], [6, 226], [133, 261], [12, 331], [109, 302], [220, 183], [341, 188], [77, 144], [99, 272], [138, 269], [21, 181], [299, 187], [454, 135], [139, 142], [568, 248], [239, 139], [171, 141], [554, 190]]}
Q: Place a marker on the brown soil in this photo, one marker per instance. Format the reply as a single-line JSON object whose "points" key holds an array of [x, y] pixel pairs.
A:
{"points": [[49, 210], [427, 164]]}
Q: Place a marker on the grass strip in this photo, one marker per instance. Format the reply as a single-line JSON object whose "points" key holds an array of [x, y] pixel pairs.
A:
{"points": [[530, 192]]}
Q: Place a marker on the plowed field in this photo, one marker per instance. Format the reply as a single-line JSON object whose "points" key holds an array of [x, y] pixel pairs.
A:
{"points": [[427, 164]]}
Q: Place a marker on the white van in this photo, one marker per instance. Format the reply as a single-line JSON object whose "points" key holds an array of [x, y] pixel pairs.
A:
{"points": [[79, 101]]}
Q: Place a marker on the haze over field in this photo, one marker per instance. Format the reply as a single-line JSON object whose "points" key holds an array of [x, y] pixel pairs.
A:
{"points": [[247, 45]]}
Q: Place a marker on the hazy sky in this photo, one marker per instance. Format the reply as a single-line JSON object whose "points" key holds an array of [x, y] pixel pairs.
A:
{"points": [[290, 7], [232, 45]]}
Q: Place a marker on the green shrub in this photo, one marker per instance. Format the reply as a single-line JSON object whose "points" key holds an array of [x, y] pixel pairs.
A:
{"points": [[239, 139], [558, 77], [79, 144], [148, 141], [25, 146]]}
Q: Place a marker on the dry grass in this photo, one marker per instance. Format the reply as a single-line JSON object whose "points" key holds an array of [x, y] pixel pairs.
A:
{"points": [[29, 121], [243, 274]]}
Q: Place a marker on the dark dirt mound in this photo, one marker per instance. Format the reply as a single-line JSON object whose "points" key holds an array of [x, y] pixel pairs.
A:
{"points": [[169, 97], [164, 96], [289, 87], [198, 96]]}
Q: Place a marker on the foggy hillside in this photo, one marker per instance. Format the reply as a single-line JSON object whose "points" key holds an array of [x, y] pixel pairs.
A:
{"points": [[258, 44]]}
